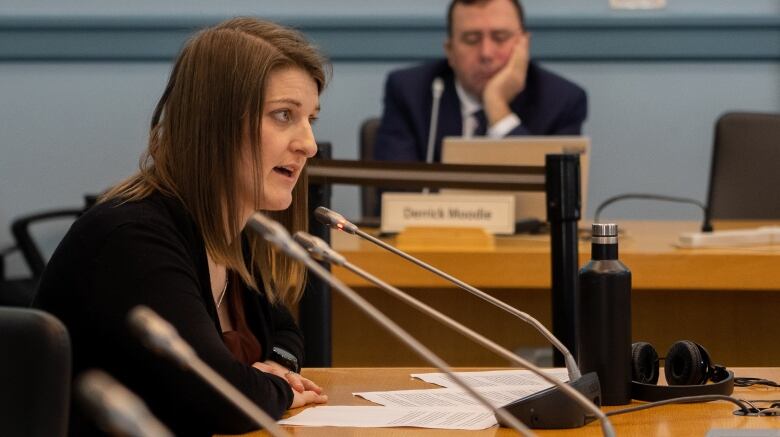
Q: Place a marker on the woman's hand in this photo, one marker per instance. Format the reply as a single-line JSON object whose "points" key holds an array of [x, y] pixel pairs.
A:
{"points": [[307, 397], [304, 390]]}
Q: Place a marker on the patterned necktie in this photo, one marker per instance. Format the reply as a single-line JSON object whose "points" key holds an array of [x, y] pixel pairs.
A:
{"points": [[481, 128]]}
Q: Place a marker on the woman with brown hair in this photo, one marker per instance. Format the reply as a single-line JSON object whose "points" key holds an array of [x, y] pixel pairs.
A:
{"points": [[230, 135]]}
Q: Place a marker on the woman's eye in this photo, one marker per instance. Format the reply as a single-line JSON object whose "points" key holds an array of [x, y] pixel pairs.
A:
{"points": [[313, 120], [282, 115]]}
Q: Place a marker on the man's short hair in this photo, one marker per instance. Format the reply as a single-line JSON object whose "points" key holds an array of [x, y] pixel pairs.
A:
{"points": [[516, 3]]}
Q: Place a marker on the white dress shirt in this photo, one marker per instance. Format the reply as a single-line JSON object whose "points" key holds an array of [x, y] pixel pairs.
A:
{"points": [[469, 105]]}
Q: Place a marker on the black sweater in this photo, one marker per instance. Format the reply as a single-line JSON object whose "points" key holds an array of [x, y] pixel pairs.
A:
{"points": [[150, 252]]}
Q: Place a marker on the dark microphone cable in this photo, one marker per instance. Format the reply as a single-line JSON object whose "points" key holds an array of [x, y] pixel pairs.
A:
{"points": [[747, 381], [744, 409], [706, 225]]}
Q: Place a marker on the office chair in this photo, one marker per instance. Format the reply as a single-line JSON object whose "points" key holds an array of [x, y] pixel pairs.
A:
{"points": [[21, 291], [744, 181], [369, 196], [35, 374], [21, 230]]}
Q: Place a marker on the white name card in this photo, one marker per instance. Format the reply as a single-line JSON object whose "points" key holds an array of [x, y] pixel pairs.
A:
{"points": [[493, 212], [637, 4]]}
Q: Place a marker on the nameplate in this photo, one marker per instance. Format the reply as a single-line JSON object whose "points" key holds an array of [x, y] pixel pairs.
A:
{"points": [[637, 4], [493, 212]]}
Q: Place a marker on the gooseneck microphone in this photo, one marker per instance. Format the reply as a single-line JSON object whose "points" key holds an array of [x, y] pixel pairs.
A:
{"points": [[115, 408], [162, 338], [335, 220], [278, 236], [437, 88], [321, 251]]}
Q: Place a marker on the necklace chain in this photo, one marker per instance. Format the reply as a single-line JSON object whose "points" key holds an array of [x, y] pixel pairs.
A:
{"points": [[222, 295]]}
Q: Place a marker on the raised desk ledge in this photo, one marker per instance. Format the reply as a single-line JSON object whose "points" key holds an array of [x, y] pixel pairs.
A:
{"points": [[648, 248]]}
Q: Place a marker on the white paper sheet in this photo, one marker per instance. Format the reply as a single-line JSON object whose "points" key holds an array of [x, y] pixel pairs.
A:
{"points": [[379, 417], [447, 397], [499, 387], [495, 378], [444, 408]]}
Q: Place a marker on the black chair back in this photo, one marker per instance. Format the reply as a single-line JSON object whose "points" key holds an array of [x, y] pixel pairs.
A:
{"points": [[21, 291], [744, 180], [35, 374], [20, 228]]}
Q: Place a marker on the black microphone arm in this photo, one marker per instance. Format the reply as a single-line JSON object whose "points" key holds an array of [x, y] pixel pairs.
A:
{"points": [[321, 251], [335, 220], [278, 236], [162, 338], [116, 409]]}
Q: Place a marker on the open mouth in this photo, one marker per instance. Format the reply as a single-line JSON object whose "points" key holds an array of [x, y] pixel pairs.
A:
{"points": [[284, 171]]}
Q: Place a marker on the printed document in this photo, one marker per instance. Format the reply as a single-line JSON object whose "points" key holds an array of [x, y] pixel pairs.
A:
{"points": [[449, 407], [495, 378], [498, 387], [380, 417]]}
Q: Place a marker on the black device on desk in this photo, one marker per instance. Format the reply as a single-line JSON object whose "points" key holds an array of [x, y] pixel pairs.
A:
{"points": [[687, 367], [530, 225]]}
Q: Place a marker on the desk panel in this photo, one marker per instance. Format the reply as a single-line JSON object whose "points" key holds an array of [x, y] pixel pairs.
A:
{"points": [[725, 299]]}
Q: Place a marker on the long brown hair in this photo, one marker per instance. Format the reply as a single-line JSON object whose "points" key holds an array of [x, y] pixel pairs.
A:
{"points": [[216, 88]]}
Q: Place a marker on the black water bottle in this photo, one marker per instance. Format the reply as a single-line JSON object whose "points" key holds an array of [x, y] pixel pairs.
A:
{"points": [[605, 317]]}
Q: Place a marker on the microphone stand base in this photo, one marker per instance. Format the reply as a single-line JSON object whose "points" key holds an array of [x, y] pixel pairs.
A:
{"points": [[553, 409]]}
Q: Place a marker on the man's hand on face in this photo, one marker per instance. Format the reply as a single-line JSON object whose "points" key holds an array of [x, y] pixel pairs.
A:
{"points": [[508, 82]]}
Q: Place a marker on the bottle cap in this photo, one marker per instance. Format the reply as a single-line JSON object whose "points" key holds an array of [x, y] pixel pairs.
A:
{"points": [[605, 230], [604, 233]]}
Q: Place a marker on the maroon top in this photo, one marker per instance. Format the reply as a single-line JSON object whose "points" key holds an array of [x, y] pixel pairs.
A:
{"points": [[240, 341]]}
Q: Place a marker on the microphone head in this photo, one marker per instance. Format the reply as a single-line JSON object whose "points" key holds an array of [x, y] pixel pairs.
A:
{"points": [[437, 87], [116, 409], [158, 335], [271, 230], [333, 219], [277, 235], [318, 249]]}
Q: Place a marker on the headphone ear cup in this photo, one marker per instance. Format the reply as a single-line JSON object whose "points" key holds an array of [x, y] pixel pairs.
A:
{"points": [[644, 363], [686, 363]]}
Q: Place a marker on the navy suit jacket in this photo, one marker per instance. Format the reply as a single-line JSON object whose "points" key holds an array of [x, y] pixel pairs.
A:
{"points": [[549, 105]]}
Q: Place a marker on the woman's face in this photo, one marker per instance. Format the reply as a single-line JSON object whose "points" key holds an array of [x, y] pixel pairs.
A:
{"points": [[286, 139]]}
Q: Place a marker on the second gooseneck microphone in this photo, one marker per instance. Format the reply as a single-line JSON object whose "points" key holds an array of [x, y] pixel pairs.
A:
{"points": [[335, 220]]}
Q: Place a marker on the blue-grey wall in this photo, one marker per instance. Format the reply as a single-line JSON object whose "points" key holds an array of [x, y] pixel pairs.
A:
{"points": [[78, 82]]}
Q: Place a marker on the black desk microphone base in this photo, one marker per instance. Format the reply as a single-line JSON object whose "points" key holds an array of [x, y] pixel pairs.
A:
{"points": [[553, 409]]}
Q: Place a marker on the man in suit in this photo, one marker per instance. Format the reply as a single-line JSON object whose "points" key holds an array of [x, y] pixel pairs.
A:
{"points": [[490, 87]]}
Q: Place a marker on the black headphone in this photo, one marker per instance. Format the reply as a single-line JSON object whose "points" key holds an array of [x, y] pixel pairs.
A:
{"points": [[687, 367]]}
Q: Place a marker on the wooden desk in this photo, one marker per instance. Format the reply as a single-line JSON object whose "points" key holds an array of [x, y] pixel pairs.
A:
{"points": [[725, 299], [671, 420]]}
